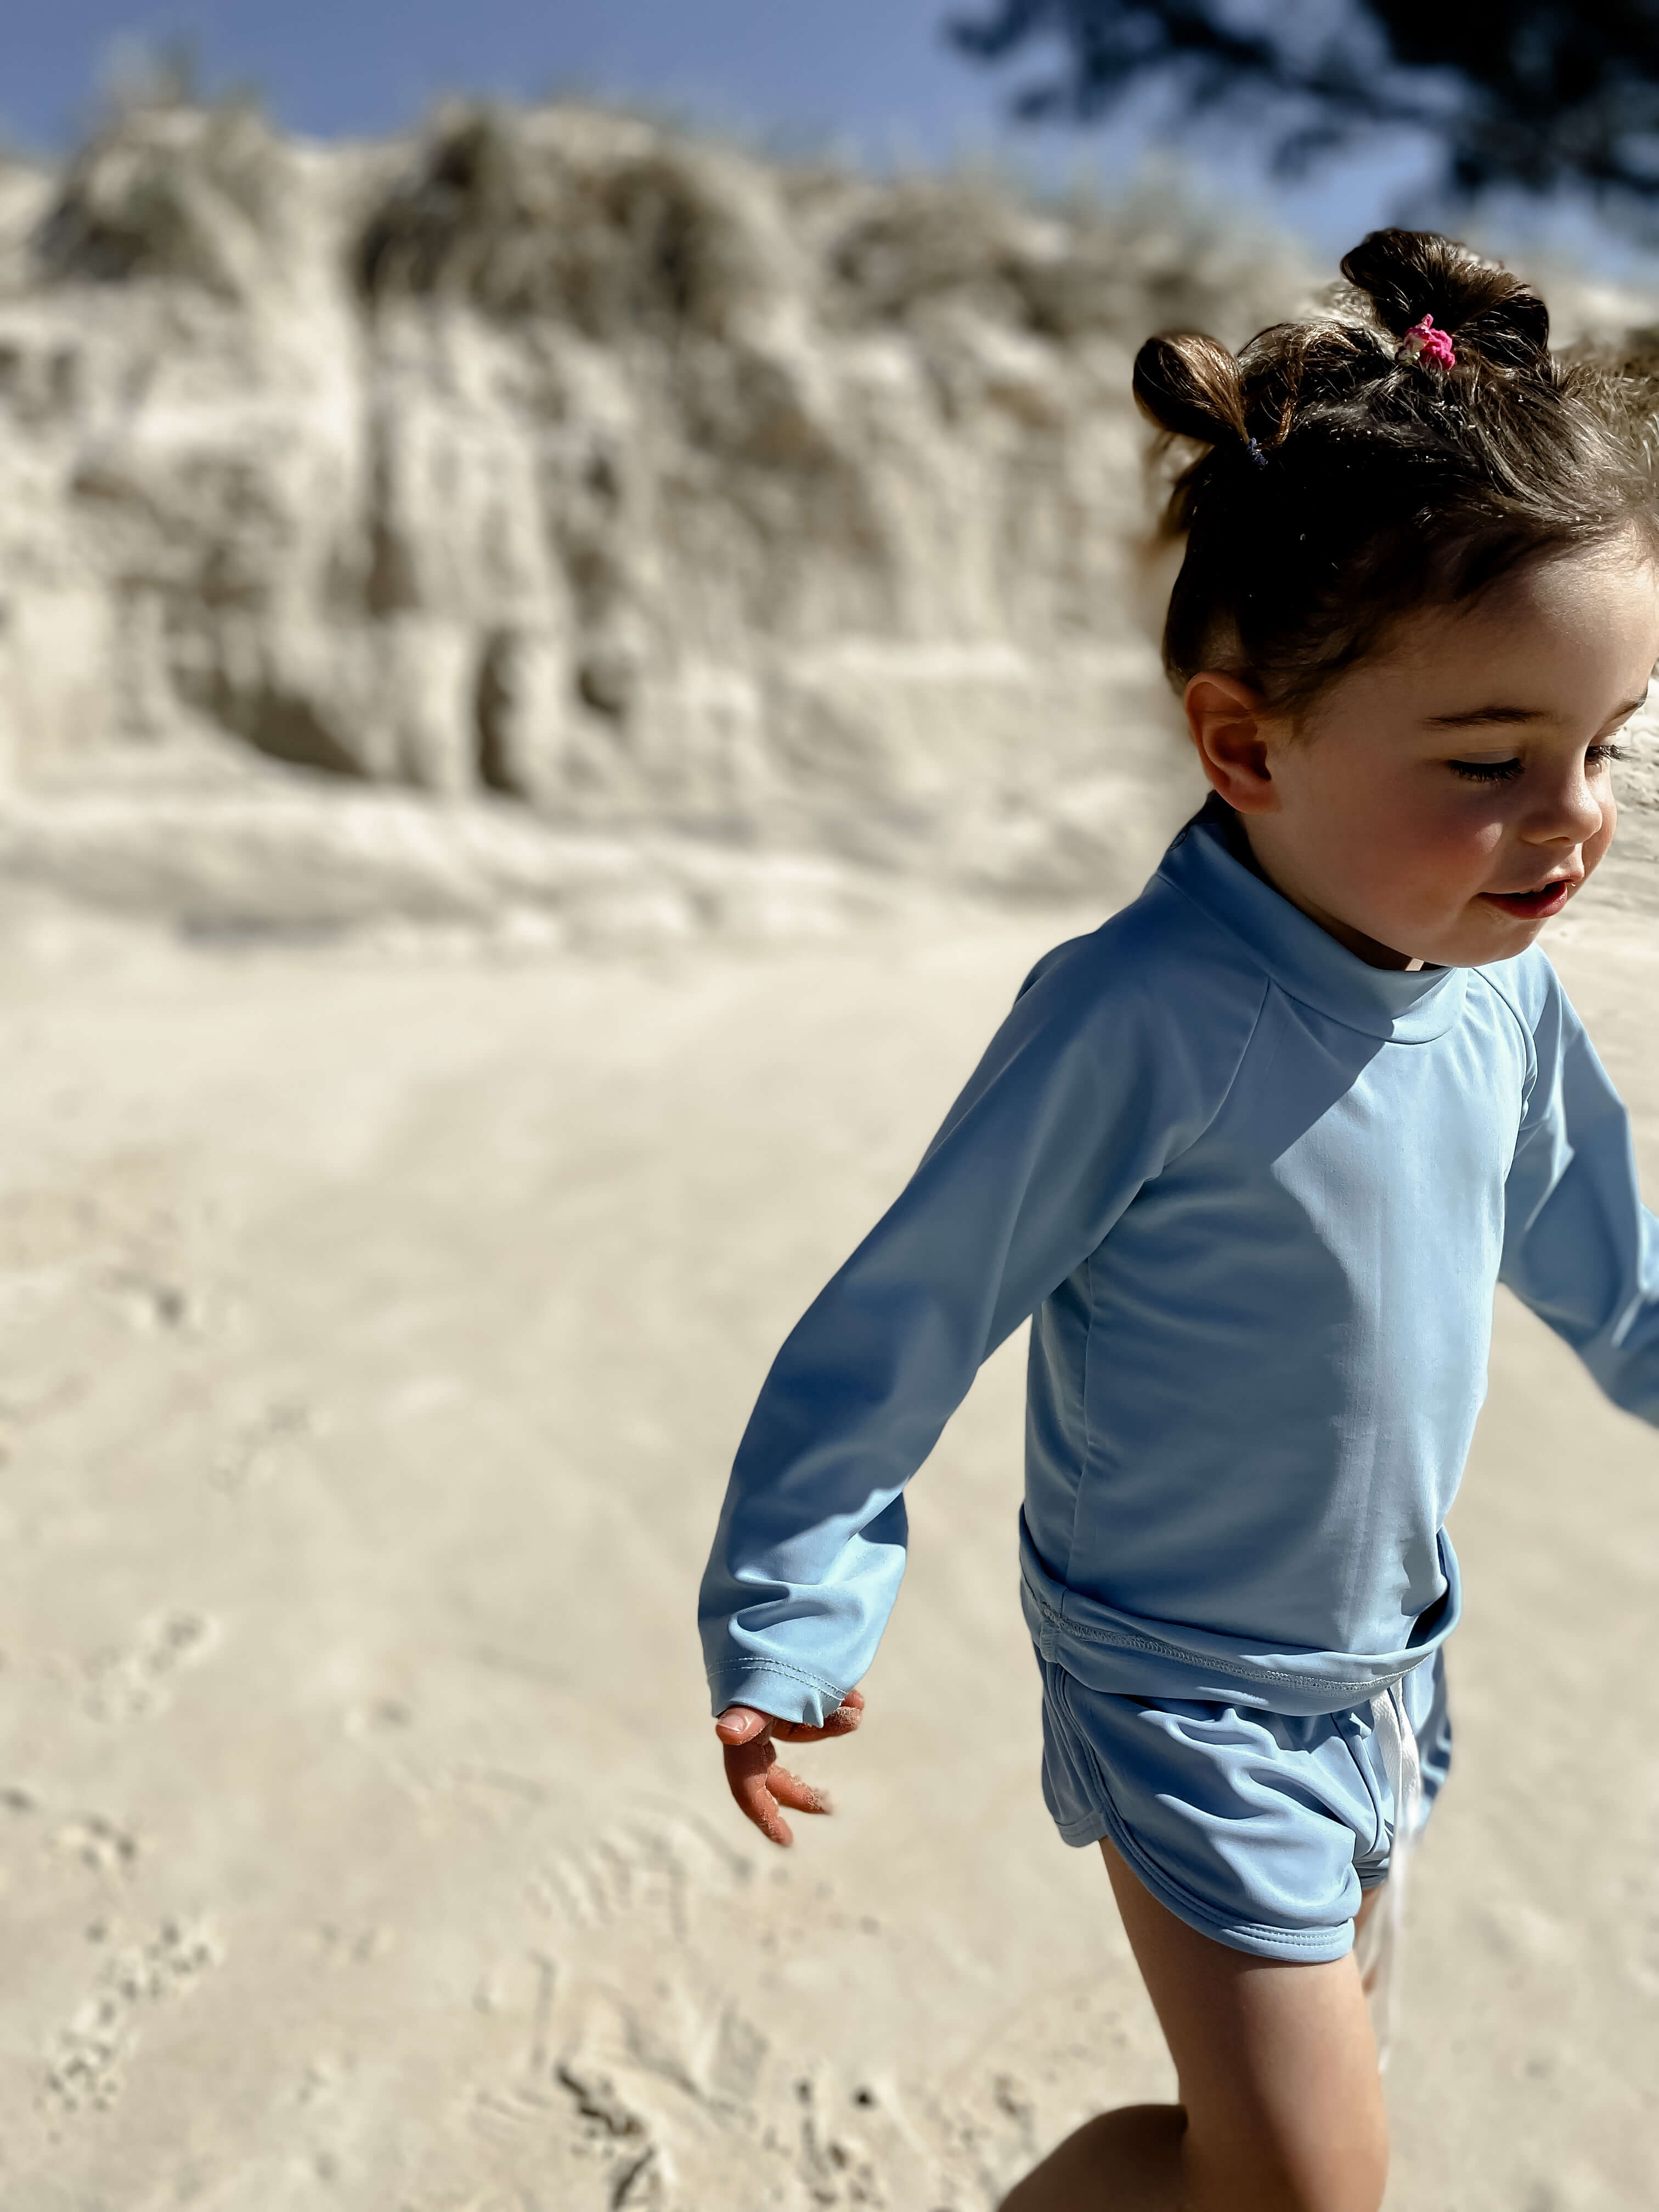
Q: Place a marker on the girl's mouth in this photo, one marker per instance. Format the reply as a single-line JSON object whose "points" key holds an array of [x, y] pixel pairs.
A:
{"points": [[1534, 905]]}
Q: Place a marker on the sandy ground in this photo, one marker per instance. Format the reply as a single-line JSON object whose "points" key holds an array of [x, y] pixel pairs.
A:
{"points": [[376, 1335]]}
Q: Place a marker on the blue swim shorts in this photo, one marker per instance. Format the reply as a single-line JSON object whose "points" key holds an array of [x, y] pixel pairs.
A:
{"points": [[1257, 1828]]}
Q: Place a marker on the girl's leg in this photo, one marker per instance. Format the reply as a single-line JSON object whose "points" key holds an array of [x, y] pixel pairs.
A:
{"points": [[1282, 2105]]}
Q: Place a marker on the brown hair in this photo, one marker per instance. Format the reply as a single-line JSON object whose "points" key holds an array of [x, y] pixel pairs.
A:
{"points": [[1342, 484]]}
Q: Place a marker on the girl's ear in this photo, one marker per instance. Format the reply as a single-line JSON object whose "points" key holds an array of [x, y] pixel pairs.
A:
{"points": [[1230, 728]]}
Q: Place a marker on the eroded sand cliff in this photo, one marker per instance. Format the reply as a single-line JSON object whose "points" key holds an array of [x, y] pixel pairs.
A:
{"points": [[561, 457]]}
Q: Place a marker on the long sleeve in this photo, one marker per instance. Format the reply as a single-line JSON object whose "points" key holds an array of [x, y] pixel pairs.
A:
{"points": [[1580, 1248], [1085, 1092]]}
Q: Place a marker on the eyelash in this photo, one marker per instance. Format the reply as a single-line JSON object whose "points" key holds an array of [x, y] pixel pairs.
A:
{"points": [[1505, 771]]}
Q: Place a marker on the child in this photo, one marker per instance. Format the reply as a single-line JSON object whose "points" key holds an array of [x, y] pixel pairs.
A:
{"points": [[1253, 1157]]}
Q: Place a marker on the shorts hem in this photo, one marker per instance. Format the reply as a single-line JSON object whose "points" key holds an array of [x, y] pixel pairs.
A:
{"points": [[1309, 1946]]}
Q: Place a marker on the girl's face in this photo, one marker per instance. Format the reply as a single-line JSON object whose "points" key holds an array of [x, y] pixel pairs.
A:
{"points": [[1441, 801]]}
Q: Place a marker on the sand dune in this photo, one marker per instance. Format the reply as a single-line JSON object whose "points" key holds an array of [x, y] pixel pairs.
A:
{"points": [[377, 1333]]}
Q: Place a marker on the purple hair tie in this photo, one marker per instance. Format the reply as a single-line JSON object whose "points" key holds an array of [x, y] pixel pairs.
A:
{"points": [[1255, 453]]}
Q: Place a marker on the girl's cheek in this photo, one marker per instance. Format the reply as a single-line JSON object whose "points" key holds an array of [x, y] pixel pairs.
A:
{"points": [[1449, 857], [1469, 829]]}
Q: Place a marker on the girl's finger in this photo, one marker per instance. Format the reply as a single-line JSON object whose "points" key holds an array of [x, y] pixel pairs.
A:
{"points": [[746, 1776], [741, 1724], [842, 1722], [790, 1790]]}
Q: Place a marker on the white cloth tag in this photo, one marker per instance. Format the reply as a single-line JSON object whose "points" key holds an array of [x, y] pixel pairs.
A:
{"points": [[1378, 1946]]}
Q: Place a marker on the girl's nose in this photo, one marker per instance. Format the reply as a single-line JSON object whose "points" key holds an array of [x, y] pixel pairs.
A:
{"points": [[1570, 811]]}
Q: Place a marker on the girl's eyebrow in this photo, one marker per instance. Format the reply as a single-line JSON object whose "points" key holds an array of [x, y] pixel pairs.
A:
{"points": [[1486, 714], [1479, 714]]}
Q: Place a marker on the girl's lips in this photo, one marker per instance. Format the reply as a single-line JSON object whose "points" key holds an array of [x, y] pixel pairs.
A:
{"points": [[1536, 905]]}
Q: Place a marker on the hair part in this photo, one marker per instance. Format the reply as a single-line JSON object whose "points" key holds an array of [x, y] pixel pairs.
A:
{"points": [[1390, 484]]}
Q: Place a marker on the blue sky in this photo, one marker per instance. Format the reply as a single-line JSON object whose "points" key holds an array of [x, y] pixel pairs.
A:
{"points": [[870, 75]]}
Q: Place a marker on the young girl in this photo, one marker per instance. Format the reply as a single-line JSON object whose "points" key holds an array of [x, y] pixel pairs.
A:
{"points": [[1253, 1157]]}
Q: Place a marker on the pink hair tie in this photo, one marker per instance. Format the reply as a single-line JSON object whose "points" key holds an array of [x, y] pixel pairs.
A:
{"points": [[1423, 342]]}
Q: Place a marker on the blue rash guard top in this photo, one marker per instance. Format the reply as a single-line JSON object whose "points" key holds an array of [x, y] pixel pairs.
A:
{"points": [[1257, 1195]]}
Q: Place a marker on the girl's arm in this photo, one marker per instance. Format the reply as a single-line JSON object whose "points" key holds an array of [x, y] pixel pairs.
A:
{"points": [[1087, 1090], [1580, 1248]]}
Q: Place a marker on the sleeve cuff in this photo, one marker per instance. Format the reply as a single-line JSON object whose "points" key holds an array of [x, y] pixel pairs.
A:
{"points": [[788, 1694]]}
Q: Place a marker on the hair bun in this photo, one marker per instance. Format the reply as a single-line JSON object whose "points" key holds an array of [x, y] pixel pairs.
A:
{"points": [[1191, 386], [1408, 274]]}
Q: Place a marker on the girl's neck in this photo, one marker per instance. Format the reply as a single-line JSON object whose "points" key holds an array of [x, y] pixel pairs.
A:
{"points": [[1236, 833]]}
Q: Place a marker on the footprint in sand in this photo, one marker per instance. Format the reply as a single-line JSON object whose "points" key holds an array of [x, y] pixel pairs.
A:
{"points": [[669, 2083], [90, 1841], [125, 1685], [85, 2060], [265, 1446]]}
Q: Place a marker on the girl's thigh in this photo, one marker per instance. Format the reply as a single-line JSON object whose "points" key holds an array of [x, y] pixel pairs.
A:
{"points": [[1276, 2064]]}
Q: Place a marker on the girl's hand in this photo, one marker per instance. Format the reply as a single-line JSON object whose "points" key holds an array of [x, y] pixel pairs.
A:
{"points": [[752, 1774]]}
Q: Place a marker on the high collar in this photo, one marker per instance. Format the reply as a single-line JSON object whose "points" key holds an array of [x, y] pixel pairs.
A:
{"points": [[1409, 1005]]}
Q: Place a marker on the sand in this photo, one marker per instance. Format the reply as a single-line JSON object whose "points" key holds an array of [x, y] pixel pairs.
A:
{"points": [[378, 1328]]}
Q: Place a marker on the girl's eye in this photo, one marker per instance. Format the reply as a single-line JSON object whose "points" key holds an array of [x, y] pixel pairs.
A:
{"points": [[1485, 771], [1504, 771]]}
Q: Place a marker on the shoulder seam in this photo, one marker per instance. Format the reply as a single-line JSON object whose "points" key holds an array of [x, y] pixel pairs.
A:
{"points": [[1266, 980], [1248, 963], [1529, 1040], [1215, 1111], [1216, 928]]}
